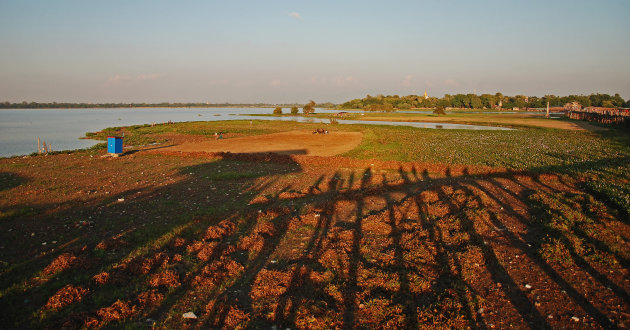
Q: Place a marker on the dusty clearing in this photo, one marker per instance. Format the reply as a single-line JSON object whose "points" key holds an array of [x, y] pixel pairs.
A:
{"points": [[286, 143]]}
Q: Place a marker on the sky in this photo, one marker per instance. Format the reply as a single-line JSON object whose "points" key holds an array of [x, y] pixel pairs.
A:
{"points": [[294, 51]]}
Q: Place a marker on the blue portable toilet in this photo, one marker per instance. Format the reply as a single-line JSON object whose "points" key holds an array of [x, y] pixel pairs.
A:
{"points": [[114, 144]]}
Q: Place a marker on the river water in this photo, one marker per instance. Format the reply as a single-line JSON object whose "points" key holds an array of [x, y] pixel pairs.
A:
{"points": [[62, 128]]}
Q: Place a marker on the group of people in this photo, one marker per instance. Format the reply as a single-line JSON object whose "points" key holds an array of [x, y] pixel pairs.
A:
{"points": [[169, 122], [320, 131]]}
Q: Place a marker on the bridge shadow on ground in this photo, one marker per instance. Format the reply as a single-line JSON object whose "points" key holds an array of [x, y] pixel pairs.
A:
{"points": [[342, 248]]}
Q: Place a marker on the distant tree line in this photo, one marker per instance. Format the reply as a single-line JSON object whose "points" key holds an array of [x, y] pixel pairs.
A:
{"points": [[474, 101], [375, 103], [56, 105]]}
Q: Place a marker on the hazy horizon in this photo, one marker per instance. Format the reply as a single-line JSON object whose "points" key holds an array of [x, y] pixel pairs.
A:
{"points": [[294, 51]]}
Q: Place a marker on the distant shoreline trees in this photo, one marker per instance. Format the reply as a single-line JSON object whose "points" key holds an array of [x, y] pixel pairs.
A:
{"points": [[487, 101], [374, 103], [68, 105]]}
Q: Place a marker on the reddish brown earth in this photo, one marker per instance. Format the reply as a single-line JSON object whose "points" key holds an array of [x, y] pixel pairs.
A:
{"points": [[257, 240]]}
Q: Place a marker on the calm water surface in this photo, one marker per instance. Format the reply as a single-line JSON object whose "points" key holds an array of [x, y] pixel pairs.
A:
{"points": [[62, 128]]}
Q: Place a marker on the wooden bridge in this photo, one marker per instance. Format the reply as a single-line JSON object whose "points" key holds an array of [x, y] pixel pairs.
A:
{"points": [[602, 115]]}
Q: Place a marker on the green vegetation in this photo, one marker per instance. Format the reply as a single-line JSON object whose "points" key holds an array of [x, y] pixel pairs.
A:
{"points": [[146, 134], [484, 101], [525, 148], [439, 110], [309, 108], [327, 242], [534, 148], [615, 194], [374, 103]]}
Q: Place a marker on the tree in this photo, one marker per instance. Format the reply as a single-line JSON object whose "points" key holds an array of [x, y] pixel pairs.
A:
{"points": [[439, 110], [617, 100], [277, 111], [309, 108], [458, 101], [443, 103], [499, 100], [488, 100], [404, 105], [475, 102], [294, 110]]}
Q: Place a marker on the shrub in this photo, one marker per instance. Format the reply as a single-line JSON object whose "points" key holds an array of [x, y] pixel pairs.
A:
{"points": [[387, 107], [277, 111], [294, 110], [309, 108], [439, 110]]}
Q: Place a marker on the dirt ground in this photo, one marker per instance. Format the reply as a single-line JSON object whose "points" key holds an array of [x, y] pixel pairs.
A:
{"points": [[303, 242], [285, 143], [520, 119]]}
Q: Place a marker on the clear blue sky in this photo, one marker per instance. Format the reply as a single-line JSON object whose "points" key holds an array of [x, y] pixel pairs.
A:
{"points": [[293, 51]]}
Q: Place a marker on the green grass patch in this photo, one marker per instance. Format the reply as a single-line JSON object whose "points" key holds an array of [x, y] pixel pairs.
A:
{"points": [[614, 194], [518, 149]]}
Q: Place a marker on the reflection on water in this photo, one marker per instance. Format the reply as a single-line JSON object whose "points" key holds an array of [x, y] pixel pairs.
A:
{"points": [[62, 128]]}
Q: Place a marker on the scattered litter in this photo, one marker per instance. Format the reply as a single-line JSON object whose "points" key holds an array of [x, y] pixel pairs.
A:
{"points": [[121, 199], [480, 311], [54, 242], [575, 319], [549, 316], [527, 286], [44, 243], [189, 315]]}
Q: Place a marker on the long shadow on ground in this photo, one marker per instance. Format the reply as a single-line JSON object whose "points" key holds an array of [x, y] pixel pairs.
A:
{"points": [[354, 248]]}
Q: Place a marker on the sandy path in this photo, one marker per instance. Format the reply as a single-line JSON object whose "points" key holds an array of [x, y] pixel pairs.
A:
{"points": [[287, 143]]}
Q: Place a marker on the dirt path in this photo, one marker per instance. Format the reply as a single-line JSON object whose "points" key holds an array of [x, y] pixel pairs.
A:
{"points": [[287, 143]]}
